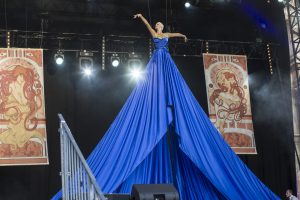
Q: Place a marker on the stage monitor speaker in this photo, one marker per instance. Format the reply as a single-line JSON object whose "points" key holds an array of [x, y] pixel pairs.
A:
{"points": [[154, 192], [117, 196]]}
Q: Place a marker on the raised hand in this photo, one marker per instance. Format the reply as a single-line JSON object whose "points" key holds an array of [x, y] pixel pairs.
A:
{"points": [[137, 16], [185, 39]]}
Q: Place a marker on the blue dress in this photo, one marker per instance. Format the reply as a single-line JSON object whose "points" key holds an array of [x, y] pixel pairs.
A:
{"points": [[162, 135]]}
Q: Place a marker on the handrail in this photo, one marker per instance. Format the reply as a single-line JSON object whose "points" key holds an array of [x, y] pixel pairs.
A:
{"points": [[78, 181]]}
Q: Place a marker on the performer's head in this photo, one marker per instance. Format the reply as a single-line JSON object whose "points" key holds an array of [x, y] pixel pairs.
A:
{"points": [[159, 27], [288, 193]]}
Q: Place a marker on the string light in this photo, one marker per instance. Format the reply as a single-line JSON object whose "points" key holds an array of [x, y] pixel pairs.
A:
{"points": [[8, 39], [150, 48], [206, 46], [103, 53], [270, 59]]}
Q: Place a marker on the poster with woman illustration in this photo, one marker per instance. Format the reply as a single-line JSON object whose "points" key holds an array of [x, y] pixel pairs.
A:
{"points": [[23, 138], [229, 100]]}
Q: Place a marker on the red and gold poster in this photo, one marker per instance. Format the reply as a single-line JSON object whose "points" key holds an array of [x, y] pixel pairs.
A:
{"points": [[229, 100], [23, 138]]}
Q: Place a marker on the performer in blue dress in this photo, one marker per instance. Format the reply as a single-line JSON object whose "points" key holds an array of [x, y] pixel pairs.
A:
{"points": [[162, 135], [159, 30]]}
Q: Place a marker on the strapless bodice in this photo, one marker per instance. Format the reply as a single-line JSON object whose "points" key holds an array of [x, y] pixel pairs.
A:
{"points": [[161, 43]]}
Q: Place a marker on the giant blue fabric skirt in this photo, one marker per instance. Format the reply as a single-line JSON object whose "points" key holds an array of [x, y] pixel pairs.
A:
{"points": [[162, 135]]}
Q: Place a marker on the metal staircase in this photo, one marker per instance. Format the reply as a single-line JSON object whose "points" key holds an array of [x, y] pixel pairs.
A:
{"points": [[78, 181]]}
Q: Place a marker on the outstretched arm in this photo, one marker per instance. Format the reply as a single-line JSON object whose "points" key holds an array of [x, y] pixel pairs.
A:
{"points": [[170, 35], [146, 23]]}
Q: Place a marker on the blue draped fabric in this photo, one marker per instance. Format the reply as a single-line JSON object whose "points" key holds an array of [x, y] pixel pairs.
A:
{"points": [[162, 135]]}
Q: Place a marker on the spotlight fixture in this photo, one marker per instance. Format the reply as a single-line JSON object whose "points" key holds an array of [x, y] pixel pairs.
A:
{"points": [[187, 4], [115, 60], [263, 25], [134, 61], [283, 2], [85, 53], [88, 71], [86, 60], [59, 57], [136, 73]]}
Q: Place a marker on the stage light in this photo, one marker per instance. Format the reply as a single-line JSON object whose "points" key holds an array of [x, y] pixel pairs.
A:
{"points": [[59, 60], [263, 25], [134, 61], [187, 4], [87, 71], [86, 62], [283, 2], [135, 66], [115, 60], [59, 57], [136, 73]]}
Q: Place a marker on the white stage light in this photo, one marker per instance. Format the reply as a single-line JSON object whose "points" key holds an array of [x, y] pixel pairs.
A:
{"points": [[282, 1], [87, 71], [59, 57], [115, 60], [86, 63], [134, 63], [135, 66], [136, 73], [59, 60], [187, 4], [86, 59]]}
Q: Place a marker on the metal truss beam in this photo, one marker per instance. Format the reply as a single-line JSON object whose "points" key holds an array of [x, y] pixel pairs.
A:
{"points": [[123, 43], [292, 15], [292, 12]]}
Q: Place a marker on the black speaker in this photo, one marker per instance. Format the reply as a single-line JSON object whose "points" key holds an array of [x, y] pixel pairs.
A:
{"points": [[154, 192], [117, 196]]}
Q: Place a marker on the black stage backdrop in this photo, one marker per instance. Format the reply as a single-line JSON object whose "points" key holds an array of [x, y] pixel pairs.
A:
{"points": [[90, 105]]}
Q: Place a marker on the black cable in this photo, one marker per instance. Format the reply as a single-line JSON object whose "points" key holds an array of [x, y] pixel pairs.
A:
{"points": [[166, 13], [171, 16], [149, 12], [5, 15], [42, 32], [26, 23], [42, 26]]}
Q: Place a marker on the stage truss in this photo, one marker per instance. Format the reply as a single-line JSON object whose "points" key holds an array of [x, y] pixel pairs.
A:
{"points": [[124, 44], [292, 14]]}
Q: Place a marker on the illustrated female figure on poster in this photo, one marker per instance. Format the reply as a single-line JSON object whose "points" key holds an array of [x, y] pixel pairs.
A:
{"points": [[228, 100], [20, 96]]}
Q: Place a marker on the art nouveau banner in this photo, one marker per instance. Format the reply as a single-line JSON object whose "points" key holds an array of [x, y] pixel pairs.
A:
{"points": [[23, 138], [229, 100]]}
